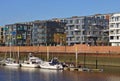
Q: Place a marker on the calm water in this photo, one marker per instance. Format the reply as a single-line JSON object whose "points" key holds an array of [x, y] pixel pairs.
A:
{"points": [[32, 74]]}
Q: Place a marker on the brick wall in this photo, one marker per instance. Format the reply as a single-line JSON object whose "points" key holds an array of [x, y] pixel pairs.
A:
{"points": [[79, 48]]}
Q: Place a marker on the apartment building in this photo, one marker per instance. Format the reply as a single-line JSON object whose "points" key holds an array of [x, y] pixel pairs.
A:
{"points": [[43, 31], [114, 29], [92, 30], [17, 34]]}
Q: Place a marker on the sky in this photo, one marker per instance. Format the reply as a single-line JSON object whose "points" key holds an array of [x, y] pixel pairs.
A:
{"points": [[13, 11]]}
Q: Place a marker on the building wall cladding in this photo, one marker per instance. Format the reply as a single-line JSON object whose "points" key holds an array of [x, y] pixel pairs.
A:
{"points": [[34, 33], [43, 31], [87, 29], [114, 29], [65, 49], [17, 34]]}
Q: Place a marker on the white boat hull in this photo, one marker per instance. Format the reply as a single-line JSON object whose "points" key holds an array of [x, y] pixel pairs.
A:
{"points": [[46, 65], [12, 64], [51, 67], [30, 65]]}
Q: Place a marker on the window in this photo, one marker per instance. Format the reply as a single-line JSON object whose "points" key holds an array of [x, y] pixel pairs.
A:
{"points": [[77, 38], [77, 26], [111, 37], [117, 37], [71, 21], [71, 33], [84, 32], [111, 25], [77, 21], [112, 32], [117, 25], [116, 18]]}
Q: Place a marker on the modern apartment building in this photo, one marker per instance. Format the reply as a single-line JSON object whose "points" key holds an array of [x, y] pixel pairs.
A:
{"points": [[91, 30], [17, 34], [43, 32], [114, 29]]}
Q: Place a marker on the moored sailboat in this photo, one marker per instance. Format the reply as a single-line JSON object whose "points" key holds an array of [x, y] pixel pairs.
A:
{"points": [[12, 62]]}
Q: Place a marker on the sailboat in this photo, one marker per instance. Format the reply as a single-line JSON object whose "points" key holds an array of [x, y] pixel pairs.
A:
{"points": [[12, 62]]}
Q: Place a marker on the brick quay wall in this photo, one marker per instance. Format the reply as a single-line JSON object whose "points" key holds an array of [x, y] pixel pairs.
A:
{"points": [[106, 55], [63, 49]]}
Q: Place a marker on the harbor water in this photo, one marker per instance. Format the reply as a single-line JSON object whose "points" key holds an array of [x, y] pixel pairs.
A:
{"points": [[37, 74]]}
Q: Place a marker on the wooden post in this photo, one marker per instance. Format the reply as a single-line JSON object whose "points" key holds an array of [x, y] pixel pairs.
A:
{"points": [[76, 54], [96, 60], [18, 54], [84, 60], [47, 53]]}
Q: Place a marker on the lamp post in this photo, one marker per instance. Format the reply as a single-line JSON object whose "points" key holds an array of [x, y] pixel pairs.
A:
{"points": [[76, 52], [47, 53]]}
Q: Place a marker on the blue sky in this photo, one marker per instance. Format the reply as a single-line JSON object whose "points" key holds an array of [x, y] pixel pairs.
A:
{"points": [[12, 11]]}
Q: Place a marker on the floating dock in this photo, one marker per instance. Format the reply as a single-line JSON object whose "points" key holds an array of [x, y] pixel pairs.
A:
{"points": [[82, 69]]}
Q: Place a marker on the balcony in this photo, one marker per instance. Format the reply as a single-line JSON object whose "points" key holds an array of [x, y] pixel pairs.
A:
{"points": [[115, 40]]}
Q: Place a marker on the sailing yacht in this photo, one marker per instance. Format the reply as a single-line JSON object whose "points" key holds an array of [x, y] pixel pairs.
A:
{"points": [[12, 62]]}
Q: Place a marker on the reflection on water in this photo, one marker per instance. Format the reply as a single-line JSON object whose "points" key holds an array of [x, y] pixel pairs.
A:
{"points": [[9, 74], [36, 74], [28, 69], [50, 75]]}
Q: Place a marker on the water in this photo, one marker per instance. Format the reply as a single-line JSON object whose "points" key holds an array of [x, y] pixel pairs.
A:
{"points": [[34, 74]]}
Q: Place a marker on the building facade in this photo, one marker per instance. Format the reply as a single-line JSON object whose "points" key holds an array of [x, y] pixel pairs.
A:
{"points": [[114, 29], [17, 34], [43, 32], [33, 33], [91, 30]]}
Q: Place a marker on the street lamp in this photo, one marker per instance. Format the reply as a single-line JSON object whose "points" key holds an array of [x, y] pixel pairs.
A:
{"points": [[76, 52]]}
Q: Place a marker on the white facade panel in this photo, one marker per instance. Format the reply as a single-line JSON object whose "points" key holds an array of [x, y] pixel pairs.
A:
{"points": [[114, 29]]}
